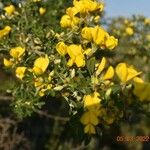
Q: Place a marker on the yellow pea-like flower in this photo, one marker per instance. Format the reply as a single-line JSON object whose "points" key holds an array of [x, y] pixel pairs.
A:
{"points": [[75, 21], [42, 10], [85, 6], [109, 74], [79, 61], [17, 52], [86, 33], [88, 51], [61, 48], [76, 55], [20, 71], [70, 62], [139, 80], [141, 89], [89, 117], [111, 42], [147, 21], [9, 9], [89, 129], [92, 6], [40, 65], [65, 21], [129, 31], [81, 6], [99, 35], [101, 7], [72, 11], [101, 66], [121, 71], [7, 63], [92, 101], [126, 73], [74, 50], [68, 21], [38, 82], [5, 31], [132, 73]]}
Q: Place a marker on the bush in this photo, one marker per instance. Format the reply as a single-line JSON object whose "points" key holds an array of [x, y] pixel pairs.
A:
{"points": [[72, 63]]}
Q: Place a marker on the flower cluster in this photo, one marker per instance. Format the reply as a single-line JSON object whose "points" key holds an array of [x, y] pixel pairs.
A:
{"points": [[100, 37], [90, 117], [94, 39], [82, 7]]}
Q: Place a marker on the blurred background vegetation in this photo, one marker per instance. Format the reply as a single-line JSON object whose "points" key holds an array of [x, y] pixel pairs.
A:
{"points": [[48, 129]]}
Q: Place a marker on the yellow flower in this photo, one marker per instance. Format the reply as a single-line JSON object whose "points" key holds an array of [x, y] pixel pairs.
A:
{"points": [[17, 52], [45, 88], [99, 35], [101, 66], [109, 74], [7, 63], [129, 31], [101, 7], [126, 73], [42, 10], [90, 120], [141, 89], [68, 21], [9, 9], [38, 82], [5, 31], [85, 6], [88, 51], [41, 86], [111, 42], [86, 33], [97, 19], [89, 129], [139, 80], [76, 55], [89, 117], [147, 21], [71, 11], [61, 48], [65, 21], [41, 93], [92, 102], [20, 72], [40, 65]]}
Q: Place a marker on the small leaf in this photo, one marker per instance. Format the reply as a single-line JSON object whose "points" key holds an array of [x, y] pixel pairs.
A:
{"points": [[91, 65]]}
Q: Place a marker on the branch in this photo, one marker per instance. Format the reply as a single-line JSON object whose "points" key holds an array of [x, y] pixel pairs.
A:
{"points": [[6, 98], [58, 118]]}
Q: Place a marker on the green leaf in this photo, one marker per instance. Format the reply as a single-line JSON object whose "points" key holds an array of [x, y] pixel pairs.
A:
{"points": [[91, 65]]}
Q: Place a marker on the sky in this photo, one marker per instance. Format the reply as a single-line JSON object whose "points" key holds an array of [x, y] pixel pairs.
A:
{"points": [[127, 7]]}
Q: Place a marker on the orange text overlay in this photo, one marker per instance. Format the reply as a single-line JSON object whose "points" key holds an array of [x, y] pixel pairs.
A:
{"points": [[133, 138]]}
